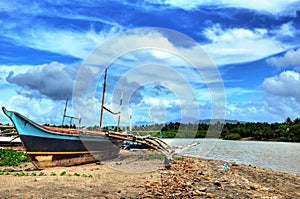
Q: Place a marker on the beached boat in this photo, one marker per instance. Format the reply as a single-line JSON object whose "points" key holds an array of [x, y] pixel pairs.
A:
{"points": [[47, 147]]}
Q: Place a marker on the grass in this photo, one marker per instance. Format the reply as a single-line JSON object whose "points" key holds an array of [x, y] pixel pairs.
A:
{"points": [[9, 171], [152, 157]]}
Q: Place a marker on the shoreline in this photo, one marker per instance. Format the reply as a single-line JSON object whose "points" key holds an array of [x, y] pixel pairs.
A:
{"points": [[265, 154], [128, 176]]}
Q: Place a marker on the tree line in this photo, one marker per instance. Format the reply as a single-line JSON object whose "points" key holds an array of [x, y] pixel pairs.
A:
{"points": [[289, 130]]}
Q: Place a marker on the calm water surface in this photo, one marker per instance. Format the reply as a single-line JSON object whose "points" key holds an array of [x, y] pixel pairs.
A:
{"points": [[280, 156]]}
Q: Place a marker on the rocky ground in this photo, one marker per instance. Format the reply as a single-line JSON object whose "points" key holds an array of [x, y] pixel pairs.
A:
{"points": [[142, 175]]}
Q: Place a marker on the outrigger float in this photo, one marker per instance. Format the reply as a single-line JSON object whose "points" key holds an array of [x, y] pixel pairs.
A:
{"points": [[48, 146]]}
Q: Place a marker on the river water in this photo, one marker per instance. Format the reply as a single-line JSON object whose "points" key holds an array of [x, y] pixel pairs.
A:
{"points": [[279, 156]]}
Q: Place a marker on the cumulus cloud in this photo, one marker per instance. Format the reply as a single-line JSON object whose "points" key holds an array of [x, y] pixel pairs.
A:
{"points": [[52, 80], [287, 84], [278, 99], [282, 94], [290, 59], [43, 110], [282, 107]]}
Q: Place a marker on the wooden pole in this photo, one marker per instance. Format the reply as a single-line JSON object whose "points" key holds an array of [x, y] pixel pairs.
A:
{"points": [[119, 116], [63, 120], [103, 94]]}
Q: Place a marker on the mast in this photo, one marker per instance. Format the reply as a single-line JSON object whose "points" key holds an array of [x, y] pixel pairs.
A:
{"points": [[63, 120], [103, 93]]}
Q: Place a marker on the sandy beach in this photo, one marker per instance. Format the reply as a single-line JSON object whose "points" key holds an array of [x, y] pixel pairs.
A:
{"points": [[133, 175]]}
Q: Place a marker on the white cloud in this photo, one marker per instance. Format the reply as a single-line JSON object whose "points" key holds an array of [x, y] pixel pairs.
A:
{"points": [[283, 94], [290, 58], [274, 6], [25, 27], [39, 110], [282, 107], [287, 84], [149, 46], [238, 45], [278, 99], [285, 30], [164, 102], [258, 111], [247, 105], [66, 42]]}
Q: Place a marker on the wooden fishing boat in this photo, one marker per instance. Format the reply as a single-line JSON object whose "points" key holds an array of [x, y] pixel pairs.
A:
{"points": [[47, 147]]}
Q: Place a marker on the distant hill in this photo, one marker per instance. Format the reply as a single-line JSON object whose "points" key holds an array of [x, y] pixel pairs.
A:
{"points": [[141, 123], [208, 121], [192, 120]]}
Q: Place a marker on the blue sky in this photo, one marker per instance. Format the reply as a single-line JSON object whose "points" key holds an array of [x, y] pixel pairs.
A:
{"points": [[252, 60]]}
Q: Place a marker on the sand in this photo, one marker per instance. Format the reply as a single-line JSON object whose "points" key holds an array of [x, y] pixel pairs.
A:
{"points": [[131, 176]]}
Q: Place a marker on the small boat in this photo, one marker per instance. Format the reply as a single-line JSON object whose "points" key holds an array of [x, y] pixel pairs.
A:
{"points": [[47, 148]]}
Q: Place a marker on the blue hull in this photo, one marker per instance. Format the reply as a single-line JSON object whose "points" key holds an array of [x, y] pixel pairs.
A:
{"points": [[47, 148]]}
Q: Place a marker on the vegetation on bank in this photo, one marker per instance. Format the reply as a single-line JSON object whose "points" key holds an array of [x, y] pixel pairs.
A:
{"points": [[285, 131], [10, 171], [10, 157]]}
